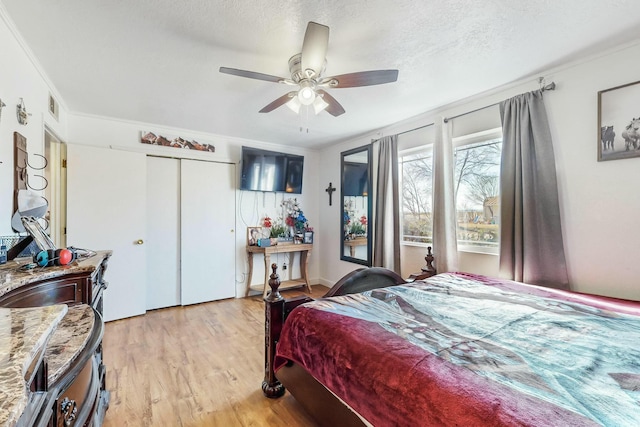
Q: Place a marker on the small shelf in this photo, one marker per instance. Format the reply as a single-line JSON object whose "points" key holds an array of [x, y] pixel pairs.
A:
{"points": [[287, 284]]}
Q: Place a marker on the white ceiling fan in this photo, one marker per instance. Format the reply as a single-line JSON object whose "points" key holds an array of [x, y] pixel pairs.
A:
{"points": [[307, 68]]}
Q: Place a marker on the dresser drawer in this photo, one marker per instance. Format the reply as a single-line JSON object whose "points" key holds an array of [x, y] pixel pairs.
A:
{"points": [[64, 291], [78, 402]]}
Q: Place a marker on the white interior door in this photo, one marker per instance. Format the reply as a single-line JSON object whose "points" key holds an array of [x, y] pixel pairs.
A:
{"points": [[163, 232], [106, 209], [207, 231]]}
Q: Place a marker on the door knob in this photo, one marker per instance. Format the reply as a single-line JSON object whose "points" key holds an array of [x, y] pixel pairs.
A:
{"points": [[139, 242]]}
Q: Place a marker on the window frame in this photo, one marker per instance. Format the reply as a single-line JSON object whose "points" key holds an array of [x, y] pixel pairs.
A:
{"points": [[424, 148], [470, 139]]}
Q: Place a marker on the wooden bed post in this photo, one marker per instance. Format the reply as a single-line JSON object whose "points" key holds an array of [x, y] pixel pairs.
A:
{"points": [[428, 270], [274, 319]]}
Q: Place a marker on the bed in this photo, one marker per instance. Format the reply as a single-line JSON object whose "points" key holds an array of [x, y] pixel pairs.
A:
{"points": [[454, 350]]}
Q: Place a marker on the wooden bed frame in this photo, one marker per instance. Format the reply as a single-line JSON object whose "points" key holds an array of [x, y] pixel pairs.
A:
{"points": [[314, 397]]}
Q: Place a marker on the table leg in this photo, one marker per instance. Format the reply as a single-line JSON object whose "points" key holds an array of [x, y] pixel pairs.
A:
{"points": [[267, 273], [304, 263], [250, 255], [352, 250]]}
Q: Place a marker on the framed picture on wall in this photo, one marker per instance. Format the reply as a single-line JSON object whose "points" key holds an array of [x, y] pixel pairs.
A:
{"points": [[619, 122]]}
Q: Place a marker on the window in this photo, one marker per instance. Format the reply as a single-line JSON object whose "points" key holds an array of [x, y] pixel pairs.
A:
{"points": [[477, 191], [476, 186], [416, 186]]}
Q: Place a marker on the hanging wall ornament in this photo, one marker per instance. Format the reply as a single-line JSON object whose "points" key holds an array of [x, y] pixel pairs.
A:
{"points": [[23, 116], [2, 105]]}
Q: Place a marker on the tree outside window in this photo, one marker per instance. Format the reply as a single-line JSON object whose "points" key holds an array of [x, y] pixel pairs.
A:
{"points": [[477, 186], [477, 189], [416, 211]]}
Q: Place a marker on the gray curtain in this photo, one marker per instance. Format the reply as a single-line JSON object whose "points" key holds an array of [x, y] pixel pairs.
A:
{"points": [[531, 247], [386, 245]]}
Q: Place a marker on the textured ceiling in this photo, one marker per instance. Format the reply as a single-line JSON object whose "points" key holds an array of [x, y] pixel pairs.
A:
{"points": [[157, 61]]}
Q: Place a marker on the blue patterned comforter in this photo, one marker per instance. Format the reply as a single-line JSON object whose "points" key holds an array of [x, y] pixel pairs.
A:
{"points": [[576, 356]]}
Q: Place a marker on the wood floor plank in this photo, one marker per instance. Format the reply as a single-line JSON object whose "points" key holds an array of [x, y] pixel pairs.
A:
{"points": [[195, 366]]}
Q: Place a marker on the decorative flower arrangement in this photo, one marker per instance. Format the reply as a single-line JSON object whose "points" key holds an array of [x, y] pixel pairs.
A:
{"points": [[278, 229], [359, 226], [358, 229], [294, 217]]}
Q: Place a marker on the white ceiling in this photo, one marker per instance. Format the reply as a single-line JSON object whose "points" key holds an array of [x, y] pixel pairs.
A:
{"points": [[157, 61]]}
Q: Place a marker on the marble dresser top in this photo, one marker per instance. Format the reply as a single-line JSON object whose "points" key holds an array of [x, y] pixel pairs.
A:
{"points": [[69, 340], [23, 334], [12, 276]]}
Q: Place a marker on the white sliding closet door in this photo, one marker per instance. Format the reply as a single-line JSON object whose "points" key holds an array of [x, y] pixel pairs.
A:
{"points": [[106, 209], [207, 229], [163, 232]]}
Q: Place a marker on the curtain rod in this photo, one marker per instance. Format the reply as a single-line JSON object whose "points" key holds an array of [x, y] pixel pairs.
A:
{"points": [[406, 131], [550, 86]]}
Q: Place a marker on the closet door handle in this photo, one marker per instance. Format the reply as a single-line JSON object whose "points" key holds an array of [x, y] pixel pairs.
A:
{"points": [[139, 242]]}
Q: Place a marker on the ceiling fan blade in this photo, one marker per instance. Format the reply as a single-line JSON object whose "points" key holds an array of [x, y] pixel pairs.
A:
{"points": [[363, 78], [334, 108], [314, 48], [279, 102], [251, 75]]}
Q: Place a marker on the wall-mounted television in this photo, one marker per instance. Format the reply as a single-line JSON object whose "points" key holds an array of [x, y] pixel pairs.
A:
{"points": [[271, 171], [356, 176]]}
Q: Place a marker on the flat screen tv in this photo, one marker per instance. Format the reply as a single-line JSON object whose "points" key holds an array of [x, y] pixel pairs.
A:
{"points": [[356, 176], [271, 171]]}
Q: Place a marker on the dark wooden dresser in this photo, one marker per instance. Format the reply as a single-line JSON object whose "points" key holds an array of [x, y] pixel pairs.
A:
{"points": [[68, 389]]}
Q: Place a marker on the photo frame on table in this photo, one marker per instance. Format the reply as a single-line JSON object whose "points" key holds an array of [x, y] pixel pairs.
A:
{"points": [[256, 233], [619, 122], [308, 237]]}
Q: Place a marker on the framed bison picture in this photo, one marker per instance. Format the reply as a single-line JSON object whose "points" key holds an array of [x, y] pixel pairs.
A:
{"points": [[619, 122]]}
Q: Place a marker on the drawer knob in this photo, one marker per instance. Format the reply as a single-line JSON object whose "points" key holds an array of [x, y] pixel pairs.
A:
{"points": [[69, 410]]}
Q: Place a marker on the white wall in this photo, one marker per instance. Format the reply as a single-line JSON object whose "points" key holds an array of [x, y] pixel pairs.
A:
{"points": [[251, 206], [599, 201], [20, 78]]}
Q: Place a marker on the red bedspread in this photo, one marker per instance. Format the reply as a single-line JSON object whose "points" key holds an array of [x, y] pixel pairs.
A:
{"points": [[391, 380]]}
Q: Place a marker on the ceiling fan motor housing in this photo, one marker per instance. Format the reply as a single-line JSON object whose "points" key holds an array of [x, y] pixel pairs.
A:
{"points": [[295, 69]]}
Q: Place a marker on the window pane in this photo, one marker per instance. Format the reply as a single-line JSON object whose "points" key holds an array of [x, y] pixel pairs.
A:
{"points": [[477, 193], [415, 172]]}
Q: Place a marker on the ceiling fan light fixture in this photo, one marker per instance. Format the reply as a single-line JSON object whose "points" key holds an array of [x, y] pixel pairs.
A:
{"points": [[294, 104], [319, 104], [306, 94]]}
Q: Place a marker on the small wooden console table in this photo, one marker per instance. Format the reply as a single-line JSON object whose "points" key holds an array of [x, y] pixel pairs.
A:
{"points": [[303, 248], [358, 241]]}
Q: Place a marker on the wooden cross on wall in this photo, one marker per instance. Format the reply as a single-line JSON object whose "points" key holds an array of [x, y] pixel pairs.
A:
{"points": [[330, 189]]}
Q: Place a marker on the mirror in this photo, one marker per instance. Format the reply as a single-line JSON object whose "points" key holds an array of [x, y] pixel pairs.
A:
{"points": [[356, 206]]}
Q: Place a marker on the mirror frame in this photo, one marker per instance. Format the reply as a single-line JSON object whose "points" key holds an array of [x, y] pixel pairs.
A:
{"points": [[369, 150]]}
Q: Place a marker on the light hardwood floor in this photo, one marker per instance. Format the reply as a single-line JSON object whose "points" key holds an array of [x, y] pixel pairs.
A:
{"points": [[195, 366]]}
